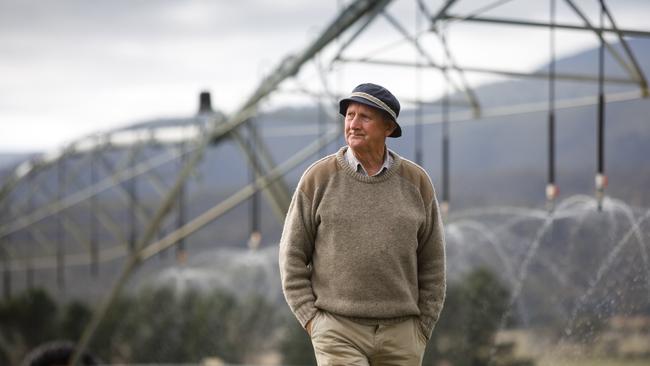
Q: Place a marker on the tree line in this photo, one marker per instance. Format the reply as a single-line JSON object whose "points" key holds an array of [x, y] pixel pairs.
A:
{"points": [[165, 326]]}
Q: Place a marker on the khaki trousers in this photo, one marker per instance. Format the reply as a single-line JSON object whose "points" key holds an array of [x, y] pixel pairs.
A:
{"points": [[339, 341]]}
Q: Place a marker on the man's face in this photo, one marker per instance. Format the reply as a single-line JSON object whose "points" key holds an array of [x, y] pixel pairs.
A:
{"points": [[365, 128]]}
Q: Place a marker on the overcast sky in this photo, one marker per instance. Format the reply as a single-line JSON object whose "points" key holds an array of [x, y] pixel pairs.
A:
{"points": [[72, 67]]}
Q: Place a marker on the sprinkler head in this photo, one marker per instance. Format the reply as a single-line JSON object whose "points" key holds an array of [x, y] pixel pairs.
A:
{"points": [[601, 184], [444, 210], [552, 191], [601, 181], [181, 257], [255, 240]]}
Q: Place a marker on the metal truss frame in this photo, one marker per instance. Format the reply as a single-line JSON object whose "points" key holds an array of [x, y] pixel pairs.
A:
{"points": [[188, 149]]}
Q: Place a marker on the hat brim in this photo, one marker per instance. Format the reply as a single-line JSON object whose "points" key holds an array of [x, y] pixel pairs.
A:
{"points": [[343, 108]]}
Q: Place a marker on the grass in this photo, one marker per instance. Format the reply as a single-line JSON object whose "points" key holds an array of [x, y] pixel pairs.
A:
{"points": [[593, 362]]}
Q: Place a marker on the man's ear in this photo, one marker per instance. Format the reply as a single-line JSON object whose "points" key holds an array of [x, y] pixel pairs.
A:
{"points": [[391, 127]]}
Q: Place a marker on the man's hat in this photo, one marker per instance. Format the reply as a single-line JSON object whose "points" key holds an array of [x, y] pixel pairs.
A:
{"points": [[375, 96]]}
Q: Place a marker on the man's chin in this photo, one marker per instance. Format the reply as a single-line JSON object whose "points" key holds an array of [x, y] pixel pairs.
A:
{"points": [[355, 145], [355, 140]]}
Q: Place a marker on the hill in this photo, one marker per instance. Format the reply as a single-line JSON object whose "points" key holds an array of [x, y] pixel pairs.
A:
{"points": [[498, 161]]}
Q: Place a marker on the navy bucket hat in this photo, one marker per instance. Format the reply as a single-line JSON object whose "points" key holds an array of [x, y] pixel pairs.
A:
{"points": [[375, 96]]}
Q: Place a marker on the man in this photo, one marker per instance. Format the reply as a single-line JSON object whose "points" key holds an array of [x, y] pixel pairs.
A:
{"points": [[362, 251]]}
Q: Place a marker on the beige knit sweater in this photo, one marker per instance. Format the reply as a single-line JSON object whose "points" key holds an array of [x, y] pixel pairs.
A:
{"points": [[368, 248]]}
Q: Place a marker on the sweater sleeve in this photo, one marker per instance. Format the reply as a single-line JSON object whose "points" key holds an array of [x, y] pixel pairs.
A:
{"points": [[431, 269], [296, 248]]}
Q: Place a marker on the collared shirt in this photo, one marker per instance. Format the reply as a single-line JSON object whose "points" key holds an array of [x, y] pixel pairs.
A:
{"points": [[358, 167]]}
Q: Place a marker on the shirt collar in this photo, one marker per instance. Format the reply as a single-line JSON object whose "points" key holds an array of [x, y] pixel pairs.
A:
{"points": [[358, 167]]}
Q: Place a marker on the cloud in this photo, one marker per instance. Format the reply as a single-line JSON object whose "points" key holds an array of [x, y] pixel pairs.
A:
{"points": [[96, 64]]}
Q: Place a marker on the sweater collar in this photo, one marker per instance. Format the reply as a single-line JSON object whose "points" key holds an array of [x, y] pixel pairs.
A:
{"points": [[348, 169], [358, 167]]}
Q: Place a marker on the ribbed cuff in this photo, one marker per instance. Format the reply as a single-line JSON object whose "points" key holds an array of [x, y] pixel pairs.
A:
{"points": [[427, 323], [305, 313]]}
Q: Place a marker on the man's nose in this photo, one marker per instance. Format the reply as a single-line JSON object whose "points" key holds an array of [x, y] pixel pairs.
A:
{"points": [[355, 122]]}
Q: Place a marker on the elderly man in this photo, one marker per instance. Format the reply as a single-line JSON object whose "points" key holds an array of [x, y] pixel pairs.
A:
{"points": [[362, 255]]}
